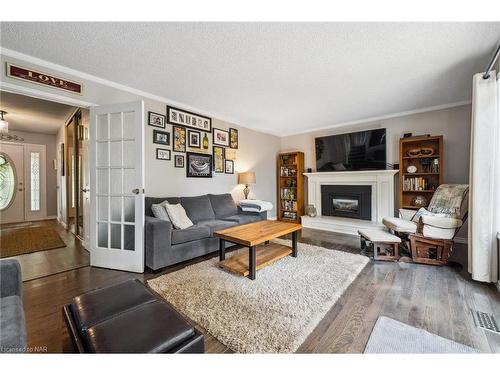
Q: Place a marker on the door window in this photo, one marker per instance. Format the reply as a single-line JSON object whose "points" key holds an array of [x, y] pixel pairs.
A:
{"points": [[7, 181], [35, 180]]}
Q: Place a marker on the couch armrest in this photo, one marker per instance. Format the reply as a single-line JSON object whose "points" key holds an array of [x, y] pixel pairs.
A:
{"points": [[441, 222], [263, 215], [10, 278], [406, 214], [158, 240]]}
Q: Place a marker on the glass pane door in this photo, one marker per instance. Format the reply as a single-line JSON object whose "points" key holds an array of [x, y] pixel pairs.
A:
{"points": [[117, 152]]}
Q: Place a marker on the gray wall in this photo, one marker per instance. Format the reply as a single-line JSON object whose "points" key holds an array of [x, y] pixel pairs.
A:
{"points": [[452, 123], [49, 140], [257, 152]]}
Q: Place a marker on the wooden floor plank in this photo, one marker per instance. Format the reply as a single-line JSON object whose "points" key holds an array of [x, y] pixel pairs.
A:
{"points": [[437, 298]]}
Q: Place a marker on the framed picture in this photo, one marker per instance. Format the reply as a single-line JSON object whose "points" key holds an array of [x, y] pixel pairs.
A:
{"points": [[194, 139], [179, 161], [221, 137], [179, 138], [198, 165], [233, 138], [218, 153], [156, 119], [162, 138], [229, 166], [162, 154], [181, 117]]}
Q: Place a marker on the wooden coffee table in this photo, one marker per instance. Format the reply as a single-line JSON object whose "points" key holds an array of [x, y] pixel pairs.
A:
{"points": [[256, 237]]}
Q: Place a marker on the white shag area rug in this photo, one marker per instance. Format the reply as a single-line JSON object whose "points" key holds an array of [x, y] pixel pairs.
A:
{"points": [[272, 314]]}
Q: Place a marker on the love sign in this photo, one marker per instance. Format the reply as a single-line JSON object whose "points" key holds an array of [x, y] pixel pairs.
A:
{"points": [[33, 76]]}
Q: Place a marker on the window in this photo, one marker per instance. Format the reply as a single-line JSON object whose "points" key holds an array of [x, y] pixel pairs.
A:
{"points": [[7, 181], [35, 180]]}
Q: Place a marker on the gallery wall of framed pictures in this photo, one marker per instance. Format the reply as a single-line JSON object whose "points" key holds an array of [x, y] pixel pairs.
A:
{"points": [[190, 138]]}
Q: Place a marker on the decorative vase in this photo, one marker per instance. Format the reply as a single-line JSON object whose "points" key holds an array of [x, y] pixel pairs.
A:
{"points": [[419, 201], [311, 211]]}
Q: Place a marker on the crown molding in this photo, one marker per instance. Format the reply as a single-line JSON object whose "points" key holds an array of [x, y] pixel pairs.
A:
{"points": [[384, 117], [89, 77]]}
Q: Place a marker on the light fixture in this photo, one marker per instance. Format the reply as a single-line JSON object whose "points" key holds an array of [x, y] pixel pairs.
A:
{"points": [[4, 125], [4, 130], [246, 179]]}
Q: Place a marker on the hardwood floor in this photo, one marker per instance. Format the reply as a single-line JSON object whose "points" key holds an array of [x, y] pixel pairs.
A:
{"points": [[437, 299], [49, 262]]}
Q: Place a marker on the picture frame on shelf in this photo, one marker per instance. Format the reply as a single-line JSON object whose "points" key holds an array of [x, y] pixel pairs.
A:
{"points": [[162, 154], [233, 138], [220, 137], [218, 156], [228, 166], [179, 161], [156, 119], [160, 137], [179, 138], [198, 165], [177, 116], [194, 138]]}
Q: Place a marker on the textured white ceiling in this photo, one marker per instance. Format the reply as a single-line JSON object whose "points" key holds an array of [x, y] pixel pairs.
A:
{"points": [[32, 114], [280, 78]]}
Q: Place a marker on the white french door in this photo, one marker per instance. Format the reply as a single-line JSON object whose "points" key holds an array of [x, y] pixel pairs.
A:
{"points": [[116, 160]]}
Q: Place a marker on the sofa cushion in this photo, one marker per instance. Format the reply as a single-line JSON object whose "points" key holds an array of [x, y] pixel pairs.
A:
{"points": [[160, 211], [151, 328], [148, 201], [92, 307], [243, 219], [198, 208], [178, 216], [223, 205], [216, 224], [12, 326], [196, 232]]}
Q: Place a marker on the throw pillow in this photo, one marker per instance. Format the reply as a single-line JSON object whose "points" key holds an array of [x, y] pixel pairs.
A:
{"points": [[159, 211], [178, 216], [423, 212]]}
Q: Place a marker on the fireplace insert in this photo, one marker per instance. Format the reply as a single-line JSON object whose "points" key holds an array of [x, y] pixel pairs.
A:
{"points": [[352, 201]]}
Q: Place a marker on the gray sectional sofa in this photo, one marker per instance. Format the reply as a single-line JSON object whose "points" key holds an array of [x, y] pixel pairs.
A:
{"points": [[12, 323], [166, 245]]}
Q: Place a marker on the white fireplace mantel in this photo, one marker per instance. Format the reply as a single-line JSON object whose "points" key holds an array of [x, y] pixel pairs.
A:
{"points": [[383, 197]]}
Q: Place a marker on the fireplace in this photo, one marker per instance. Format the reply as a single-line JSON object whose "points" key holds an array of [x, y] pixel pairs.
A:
{"points": [[351, 201]]}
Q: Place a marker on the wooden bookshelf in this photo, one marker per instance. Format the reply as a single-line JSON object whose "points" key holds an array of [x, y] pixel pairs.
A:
{"points": [[429, 174], [291, 186]]}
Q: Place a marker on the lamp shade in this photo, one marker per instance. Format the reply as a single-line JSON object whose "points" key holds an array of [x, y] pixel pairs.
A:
{"points": [[246, 178]]}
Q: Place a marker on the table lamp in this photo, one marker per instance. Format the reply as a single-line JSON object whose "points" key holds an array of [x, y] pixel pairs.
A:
{"points": [[246, 179]]}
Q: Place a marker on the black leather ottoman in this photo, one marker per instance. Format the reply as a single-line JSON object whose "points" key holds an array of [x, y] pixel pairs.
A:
{"points": [[128, 318]]}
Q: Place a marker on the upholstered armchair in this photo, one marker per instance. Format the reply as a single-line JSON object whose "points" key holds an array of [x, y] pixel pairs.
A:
{"points": [[428, 233]]}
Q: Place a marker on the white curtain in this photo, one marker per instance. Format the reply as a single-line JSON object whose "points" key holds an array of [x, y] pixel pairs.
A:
{"points": [[484, 198]]}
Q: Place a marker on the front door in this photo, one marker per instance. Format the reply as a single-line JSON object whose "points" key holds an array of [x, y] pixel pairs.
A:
{"points": [[11, 183], [116, 158]]}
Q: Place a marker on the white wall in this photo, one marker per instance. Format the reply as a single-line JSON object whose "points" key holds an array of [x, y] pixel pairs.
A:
{"points": [[257, 152], [49, 140]]}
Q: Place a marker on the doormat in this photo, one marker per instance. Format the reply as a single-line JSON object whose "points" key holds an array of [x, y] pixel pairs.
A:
{"points": [[28, 240]]}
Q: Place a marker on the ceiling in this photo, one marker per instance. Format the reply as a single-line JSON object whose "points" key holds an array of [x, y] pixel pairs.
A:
{"points": [[281, 78], [33, 115]]}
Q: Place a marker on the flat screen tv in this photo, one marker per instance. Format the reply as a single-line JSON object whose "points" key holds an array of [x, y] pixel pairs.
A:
{"points": [[352, 151]]}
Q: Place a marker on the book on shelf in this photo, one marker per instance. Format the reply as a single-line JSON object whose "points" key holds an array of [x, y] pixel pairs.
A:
{"points": [[288, 194], [289, 215], [416, 184], [289, 205], [288, 172]]}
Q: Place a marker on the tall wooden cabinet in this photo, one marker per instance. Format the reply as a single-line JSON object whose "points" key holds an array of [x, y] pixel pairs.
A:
{"points": [[290, 186], [420, 170]]}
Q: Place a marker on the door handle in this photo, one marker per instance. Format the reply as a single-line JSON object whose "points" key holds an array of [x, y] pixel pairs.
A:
{"points": [[85, 190], [136, 191]]}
